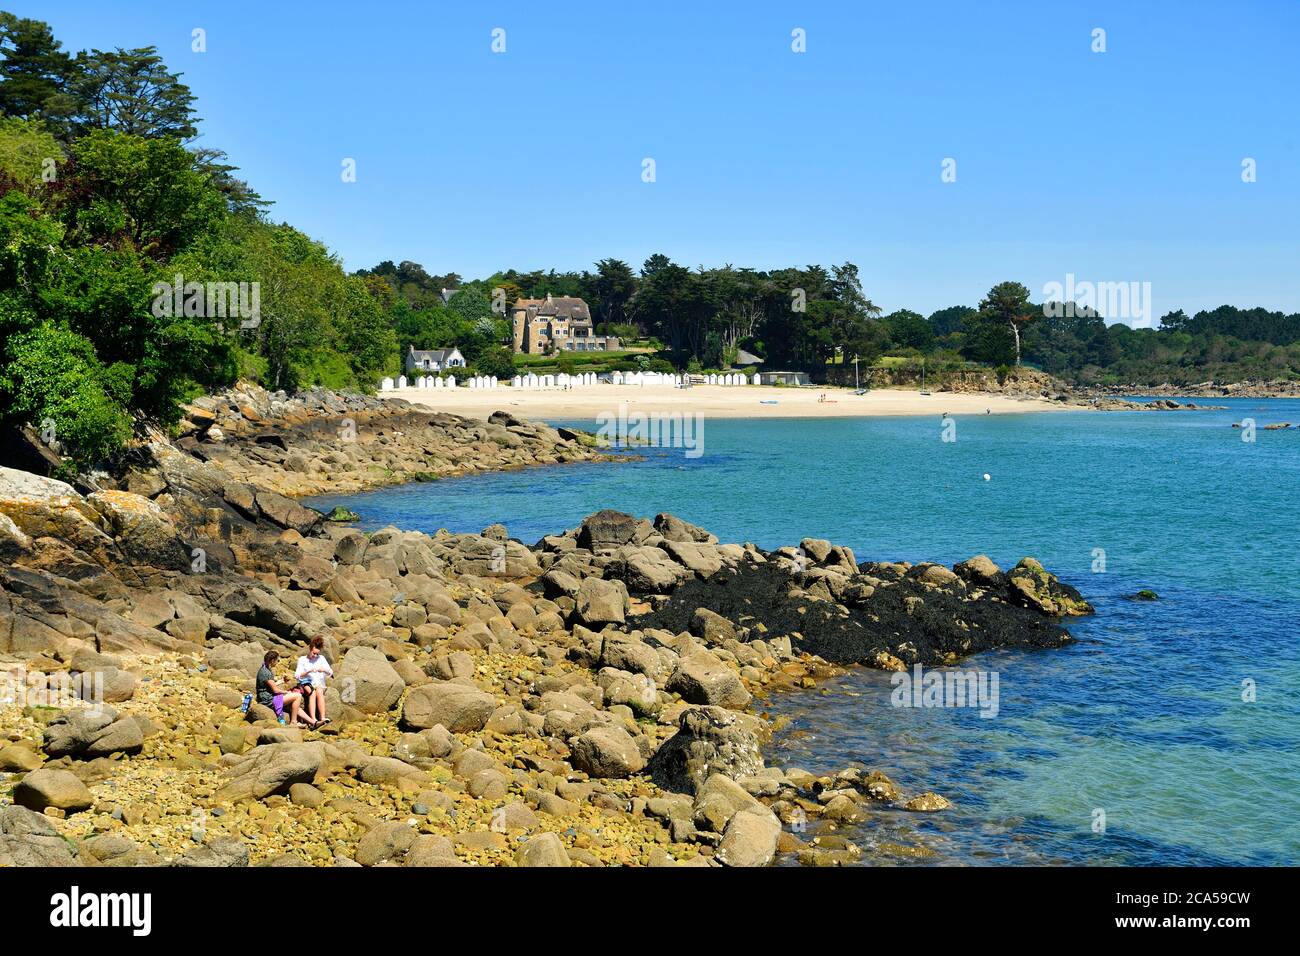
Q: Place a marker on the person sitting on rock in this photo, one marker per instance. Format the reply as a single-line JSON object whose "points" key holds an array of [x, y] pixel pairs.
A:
{"points": [[270, 695], [311, 673]]}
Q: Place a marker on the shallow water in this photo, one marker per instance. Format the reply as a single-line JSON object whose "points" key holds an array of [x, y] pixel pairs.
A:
{"points": [[1142, 720]]}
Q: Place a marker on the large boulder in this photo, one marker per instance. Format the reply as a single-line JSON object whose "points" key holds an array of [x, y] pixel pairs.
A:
{"points": [[69, 518], [701, 678], [287, 513], [606, 530], [351, 548], [487, 557], [980, 570], [271, 769], [143, 530], [545, 849], [224, 851], [606, 752], [15, 483], [709, 740], [703, 559], [311, 573], [626, 653], [601, 602], [28, 838], [92, 732], [385, 842], [50, 787], [258, 607], [368, 682], [719, 800], [647, 570], [750, 839], [458, 707], [1030, 585], [712, 627], [673, 528]]}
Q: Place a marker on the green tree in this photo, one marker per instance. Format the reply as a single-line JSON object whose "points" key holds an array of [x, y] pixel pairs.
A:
{"points": [[139, 193], [35, 73], [908, 329], [994, 335], [613, 287], [132, 91]]}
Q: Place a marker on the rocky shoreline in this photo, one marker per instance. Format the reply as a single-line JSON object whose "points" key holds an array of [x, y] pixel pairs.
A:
{"points": [[1278, 388], [590, 699]]}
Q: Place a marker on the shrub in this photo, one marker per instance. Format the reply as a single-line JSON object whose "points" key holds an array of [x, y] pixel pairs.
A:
{"points": [[54, 380]]}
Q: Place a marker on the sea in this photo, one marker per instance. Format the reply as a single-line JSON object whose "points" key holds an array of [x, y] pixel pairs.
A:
{"points": [[1168, 734]]}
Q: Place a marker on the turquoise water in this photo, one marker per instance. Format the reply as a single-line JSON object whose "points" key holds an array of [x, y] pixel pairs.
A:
{"points": [[1143, 719]]}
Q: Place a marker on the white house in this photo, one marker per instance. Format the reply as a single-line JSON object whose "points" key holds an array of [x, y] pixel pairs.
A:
{"points": [[433, 360]]}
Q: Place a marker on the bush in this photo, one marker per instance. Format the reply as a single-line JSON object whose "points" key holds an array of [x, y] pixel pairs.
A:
{"points": [[54, 380]]}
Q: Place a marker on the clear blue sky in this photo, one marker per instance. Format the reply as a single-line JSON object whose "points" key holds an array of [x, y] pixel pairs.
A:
{"points": [[1115, 166]]}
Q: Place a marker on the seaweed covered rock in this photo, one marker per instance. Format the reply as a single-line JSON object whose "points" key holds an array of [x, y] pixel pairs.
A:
{"points": [[1032, 586], [885, 615]]}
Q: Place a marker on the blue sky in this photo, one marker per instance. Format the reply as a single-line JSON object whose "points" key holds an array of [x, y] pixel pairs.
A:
{"points": [[1115, 166]]}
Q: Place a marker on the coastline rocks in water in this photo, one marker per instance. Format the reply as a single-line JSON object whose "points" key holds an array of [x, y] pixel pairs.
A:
{"points": [[1032, 586], [980, 570], [927, 803], [882, 610], [750, 839], [592, 683], [709, 740], [1146, 594]]}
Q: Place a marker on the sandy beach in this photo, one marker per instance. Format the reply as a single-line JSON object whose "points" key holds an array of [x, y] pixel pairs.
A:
{"points": [[742, 401]]}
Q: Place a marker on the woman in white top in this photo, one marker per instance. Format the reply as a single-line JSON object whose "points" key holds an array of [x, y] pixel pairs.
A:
{"points": [[311, 673]]}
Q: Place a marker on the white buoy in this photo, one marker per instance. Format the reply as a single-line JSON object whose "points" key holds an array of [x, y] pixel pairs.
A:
{"points": [[987, 476]]}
